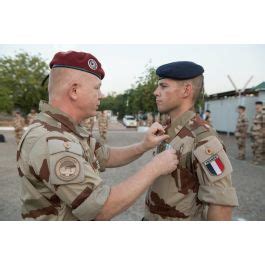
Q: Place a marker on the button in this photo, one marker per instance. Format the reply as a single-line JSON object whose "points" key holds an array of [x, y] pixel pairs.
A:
{"points": [[66, 145], [208, 151]]}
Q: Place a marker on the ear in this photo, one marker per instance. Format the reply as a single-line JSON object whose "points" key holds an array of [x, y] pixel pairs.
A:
{"points": [[187, 90], [73, 91]]}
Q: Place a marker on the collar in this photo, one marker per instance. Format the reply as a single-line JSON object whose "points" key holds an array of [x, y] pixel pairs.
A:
{"points": [[63, 118], [179, 123]]}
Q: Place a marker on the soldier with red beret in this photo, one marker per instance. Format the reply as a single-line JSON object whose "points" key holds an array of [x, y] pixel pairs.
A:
{"points": [[59, 161]]}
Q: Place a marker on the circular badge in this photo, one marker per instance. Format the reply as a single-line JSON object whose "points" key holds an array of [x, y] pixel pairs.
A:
{"points": [[67, 168], [92, 64]]}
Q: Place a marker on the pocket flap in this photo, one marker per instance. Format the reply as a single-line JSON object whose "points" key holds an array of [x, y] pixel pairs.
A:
{"points": [[213, 159], [57, 146]]}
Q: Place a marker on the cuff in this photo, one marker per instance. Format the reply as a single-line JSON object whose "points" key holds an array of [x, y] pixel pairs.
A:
{"points": [[92, 206]]}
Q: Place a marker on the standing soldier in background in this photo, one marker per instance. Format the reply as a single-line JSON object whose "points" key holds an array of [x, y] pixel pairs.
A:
{"points": [[31, 116], [157, 117], [103, 125], [263, 132], [241, 132], [208, 118], [164, 119], [89, 124], [150, 119], [257, 134], [18, 123]]}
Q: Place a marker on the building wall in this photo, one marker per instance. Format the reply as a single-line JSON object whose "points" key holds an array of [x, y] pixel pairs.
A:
{"points": [[224, 114]]}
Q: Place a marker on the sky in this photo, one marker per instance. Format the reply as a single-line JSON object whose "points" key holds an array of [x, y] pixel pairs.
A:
{"points": [[124, 63]]}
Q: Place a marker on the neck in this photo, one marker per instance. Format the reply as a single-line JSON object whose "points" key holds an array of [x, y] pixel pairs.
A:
{"points": [[177, 112], [70, 111]]}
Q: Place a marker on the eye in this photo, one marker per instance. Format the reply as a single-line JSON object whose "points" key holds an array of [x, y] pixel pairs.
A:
{"points": [[163, 86]]}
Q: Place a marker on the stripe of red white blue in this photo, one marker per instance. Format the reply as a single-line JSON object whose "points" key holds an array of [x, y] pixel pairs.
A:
{"points": [[215, 165]]}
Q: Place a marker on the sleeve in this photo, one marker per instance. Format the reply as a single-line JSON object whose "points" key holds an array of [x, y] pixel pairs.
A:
{"points": [[102, 153], [214, 170], [64, 170]]}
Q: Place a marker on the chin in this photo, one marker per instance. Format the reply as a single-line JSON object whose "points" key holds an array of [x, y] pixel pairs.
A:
{"points": [[161, 110]]}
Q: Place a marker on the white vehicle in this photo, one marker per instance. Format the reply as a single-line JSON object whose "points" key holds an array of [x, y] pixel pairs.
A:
{"points": [[129, 121]]}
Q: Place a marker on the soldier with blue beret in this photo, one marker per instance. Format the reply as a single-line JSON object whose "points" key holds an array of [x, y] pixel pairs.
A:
{"points": [[201, 186], [181, 70]]}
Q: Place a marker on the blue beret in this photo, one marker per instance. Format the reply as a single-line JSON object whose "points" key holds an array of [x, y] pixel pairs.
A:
{"points": [[179, 70]]}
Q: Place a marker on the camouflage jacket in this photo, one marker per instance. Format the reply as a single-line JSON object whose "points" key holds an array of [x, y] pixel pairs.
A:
{"points": [[18, 123], [203, 175], [59, 164], [242, 126], [258, 126], [31, 117]]}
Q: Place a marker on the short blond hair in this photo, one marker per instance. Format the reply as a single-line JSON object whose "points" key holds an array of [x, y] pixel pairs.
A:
{"points": [[197, 86]]}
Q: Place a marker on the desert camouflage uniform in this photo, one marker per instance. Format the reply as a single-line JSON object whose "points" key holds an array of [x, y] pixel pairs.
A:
{"points": [[31, 117], [150, 119], [59, 164], [89, 124], [186, 193], [241, 134], [157, 117], [257, 135], [103, 125], [18, 123]]}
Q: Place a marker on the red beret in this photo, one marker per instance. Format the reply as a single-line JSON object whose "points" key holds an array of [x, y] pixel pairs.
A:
{"points": [[78, 60]]}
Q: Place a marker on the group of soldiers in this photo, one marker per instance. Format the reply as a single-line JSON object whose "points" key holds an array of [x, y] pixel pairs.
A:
{"points": [[257, 133], [161, 118], [19, 123], [102, 118]]}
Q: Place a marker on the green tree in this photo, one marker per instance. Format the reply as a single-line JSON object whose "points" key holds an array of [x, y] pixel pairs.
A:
{"points": [[6, 100], [20, 82], [138, 98]]}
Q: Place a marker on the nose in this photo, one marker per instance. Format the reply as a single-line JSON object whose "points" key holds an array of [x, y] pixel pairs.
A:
{"points": [[100, 95], [156, 92]]}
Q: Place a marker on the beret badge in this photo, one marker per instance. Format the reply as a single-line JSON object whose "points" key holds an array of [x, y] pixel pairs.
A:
{"points": [[92, 64]]}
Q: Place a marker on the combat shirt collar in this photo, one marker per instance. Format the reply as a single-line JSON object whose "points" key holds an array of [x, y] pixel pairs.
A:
{"points": [[177, 124], [63, 118]]}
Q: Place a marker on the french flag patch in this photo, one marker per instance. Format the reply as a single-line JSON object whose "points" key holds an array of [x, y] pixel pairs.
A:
{"points": [[214, 165]]}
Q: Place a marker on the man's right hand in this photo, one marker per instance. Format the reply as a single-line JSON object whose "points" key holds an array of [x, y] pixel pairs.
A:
{"points": [[165, 162]]}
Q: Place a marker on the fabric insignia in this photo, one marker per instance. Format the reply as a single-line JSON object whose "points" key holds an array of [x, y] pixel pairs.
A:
{"points": [[92, 64], [214, 165], [67, 168]]}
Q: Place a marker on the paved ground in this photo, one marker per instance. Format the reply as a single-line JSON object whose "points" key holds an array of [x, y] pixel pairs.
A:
{"points": [[248, 179]]}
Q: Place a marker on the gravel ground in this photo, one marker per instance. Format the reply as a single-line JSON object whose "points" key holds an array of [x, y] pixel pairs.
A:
{"points": [[248, 179]]}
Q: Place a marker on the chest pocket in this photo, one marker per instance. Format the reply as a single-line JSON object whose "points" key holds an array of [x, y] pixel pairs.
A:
{"points": [[213, 159], [65, 162]]}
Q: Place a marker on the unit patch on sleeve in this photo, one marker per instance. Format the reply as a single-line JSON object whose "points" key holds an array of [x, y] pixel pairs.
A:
{"points": [[214, 165]]}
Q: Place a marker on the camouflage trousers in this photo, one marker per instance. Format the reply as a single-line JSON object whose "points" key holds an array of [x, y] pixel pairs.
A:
{"points": [[257, 148], [103, 134], [241, 143], [18, 135]]}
